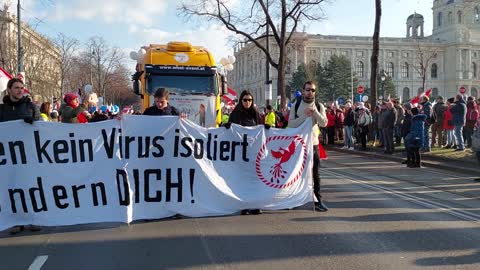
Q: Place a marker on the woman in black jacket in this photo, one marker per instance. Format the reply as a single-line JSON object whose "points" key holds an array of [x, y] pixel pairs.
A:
{"points": [[245, 114]]}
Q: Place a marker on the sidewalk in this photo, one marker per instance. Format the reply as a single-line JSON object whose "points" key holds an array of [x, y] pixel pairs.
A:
{"points": [[466, 165]]}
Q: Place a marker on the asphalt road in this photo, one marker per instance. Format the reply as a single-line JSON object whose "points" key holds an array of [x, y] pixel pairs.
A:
{"points": [[382, 216]]}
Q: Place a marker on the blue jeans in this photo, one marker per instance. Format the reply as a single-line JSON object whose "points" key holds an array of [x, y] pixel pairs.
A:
{"points": [[348, 136], [459, 137], [426, 138], [450, 137]]}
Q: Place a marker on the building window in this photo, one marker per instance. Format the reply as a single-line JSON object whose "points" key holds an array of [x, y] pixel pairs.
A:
{"points": [[450, 17], [345, 53], [406, 54], [439, 19], [359, 69], [433, 71], [459, 17], [419, 90], [434, 93], [405, 70], [477, 14], [474, 70], [360, 53], [390, 70], [390, 54], [406, 93], [474, 92]]}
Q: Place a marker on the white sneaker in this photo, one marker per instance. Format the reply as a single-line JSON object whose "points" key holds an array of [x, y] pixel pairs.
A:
{"points": [[351, 148], [345, 147]]}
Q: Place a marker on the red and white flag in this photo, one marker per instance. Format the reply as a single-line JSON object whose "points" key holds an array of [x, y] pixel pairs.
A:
{"points": [[230, 96], [416, 99], [4, 78]]}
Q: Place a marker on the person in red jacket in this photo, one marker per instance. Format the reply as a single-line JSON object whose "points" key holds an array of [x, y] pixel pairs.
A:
{"points": [[331, 125], [448, 123]]}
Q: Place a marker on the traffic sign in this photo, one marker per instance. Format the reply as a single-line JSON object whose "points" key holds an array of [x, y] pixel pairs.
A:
{"points": [[360, 89], [341, 101], [462, 90]]}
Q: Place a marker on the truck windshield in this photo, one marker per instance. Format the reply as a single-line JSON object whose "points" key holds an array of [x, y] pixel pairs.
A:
{"points": [[182, 85]]}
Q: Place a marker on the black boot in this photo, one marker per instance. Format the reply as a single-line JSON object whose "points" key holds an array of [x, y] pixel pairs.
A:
{"points": [[320, 206]]}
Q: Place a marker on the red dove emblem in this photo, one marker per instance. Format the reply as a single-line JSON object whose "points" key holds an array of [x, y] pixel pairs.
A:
{"points": [[283, 155]]}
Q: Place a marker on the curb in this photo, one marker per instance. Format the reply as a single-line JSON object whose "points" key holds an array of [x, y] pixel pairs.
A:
{"points": [[428, 161]]}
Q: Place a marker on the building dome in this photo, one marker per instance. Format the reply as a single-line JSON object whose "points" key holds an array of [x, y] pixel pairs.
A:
{"points": [[415, 26], [415, 16]]}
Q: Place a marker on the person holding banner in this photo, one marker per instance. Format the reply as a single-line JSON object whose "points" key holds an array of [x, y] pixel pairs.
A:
{"points": [[305, 108], [245, 114], [161, 106], [16, 106]]}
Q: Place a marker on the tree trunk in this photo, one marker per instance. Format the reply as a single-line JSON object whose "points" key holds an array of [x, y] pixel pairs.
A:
{"points": [[281, 78], [374, 59]]}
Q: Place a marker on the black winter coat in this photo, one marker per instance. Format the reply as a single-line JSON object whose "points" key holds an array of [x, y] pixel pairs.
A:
{"points": [[244, 118], [22, 109], [169, 110]]}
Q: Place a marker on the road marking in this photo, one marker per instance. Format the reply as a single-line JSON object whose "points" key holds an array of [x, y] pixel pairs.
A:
{"points": [[462, 214], [38, 262]]}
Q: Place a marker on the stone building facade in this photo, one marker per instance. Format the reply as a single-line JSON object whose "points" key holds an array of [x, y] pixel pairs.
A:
{"points": [[452, 55], [41, 59]]}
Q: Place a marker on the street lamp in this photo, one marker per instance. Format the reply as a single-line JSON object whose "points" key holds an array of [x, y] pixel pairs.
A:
{"points": [[383, 77]]}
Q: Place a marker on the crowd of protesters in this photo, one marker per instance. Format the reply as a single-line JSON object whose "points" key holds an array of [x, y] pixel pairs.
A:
{"points": [[449, 124], [454, 123]]}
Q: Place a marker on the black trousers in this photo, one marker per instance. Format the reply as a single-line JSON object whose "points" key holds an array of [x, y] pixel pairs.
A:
{"points": [[316, 173], [413, 154], [331, 135]]}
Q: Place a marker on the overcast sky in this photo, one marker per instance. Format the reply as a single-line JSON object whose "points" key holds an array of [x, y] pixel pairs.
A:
{"points": [[129, 24]]}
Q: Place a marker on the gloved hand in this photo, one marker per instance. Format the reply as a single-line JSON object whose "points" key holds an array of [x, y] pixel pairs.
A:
{"points": [[267, 126], [28, 120], [227, 125]]}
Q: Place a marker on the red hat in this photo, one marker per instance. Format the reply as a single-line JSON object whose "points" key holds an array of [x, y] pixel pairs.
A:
{"points": [[69, 97]]}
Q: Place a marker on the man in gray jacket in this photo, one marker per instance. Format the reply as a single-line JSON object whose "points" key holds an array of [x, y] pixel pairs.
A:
{"points": [[309, 108]]}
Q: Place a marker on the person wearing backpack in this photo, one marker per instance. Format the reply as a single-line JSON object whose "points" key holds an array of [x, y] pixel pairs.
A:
{"points": [[270, 116], [471, 120], [306, 107]]}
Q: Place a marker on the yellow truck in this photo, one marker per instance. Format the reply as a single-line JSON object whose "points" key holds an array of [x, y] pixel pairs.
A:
{"points": [[189, 73]]}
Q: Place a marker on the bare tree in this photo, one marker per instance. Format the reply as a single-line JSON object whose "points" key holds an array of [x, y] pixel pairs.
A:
{"points": [[68, 47], [252, 22], [425, 56], [374, 58], [105, 60]]}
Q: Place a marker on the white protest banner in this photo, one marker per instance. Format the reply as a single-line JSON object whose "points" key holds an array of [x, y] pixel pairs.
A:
{"points": [[146, 168]]}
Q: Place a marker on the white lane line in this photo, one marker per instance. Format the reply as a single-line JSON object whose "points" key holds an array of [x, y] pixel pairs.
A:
{"points": [[38, 262], [463, 214]]}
